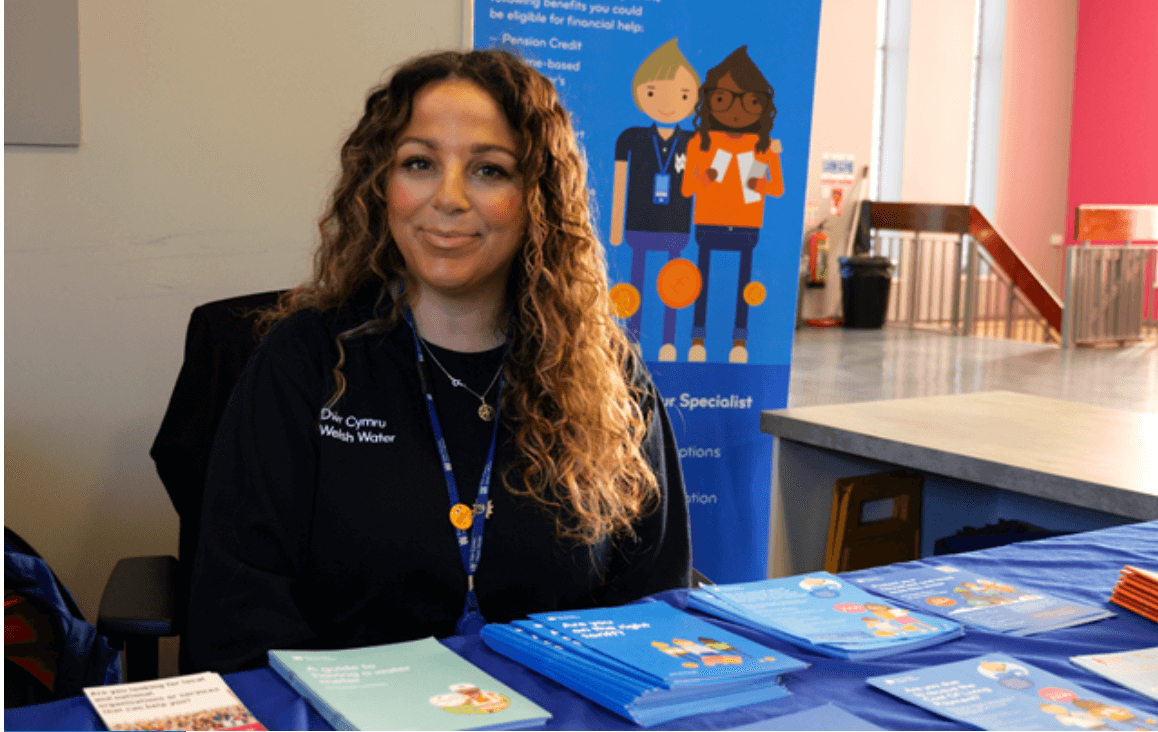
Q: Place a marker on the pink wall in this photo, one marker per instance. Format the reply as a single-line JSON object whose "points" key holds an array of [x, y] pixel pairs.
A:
{"points": [[1033, 153], [1114, 130]]}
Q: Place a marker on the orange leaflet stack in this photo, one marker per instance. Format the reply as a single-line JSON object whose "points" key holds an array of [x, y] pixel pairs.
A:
{"points": [[1137, 591]]}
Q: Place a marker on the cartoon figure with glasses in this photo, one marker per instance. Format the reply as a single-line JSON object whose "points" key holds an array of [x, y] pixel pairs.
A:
{"points": [[732, 163], [647, 208]]}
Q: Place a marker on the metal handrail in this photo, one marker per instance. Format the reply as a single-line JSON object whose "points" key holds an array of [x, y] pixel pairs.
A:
{"points": [[1106, 288], [939, 252]]}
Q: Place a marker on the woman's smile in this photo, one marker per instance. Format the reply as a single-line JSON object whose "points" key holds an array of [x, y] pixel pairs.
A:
{"points": [[455, 193]]}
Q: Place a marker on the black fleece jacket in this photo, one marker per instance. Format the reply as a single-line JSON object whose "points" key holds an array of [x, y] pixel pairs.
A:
{"points": [[330, 529]]}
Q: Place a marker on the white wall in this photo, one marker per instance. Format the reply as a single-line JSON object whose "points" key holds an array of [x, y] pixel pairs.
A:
{"points": [[210, 132], [937, 112], [842, 118], [1034, 154]]}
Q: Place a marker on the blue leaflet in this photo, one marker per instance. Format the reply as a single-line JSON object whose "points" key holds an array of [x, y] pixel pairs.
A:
{"points": [[988, 603], [647, 662], [822, 613], [669, 645], [996, 691]]}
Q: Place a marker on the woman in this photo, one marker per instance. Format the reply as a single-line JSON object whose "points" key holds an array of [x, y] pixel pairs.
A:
{"points": [[735, 165], [457, 327]]}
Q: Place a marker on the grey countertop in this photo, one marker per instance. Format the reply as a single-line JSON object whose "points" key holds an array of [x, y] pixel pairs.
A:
{"points": [[1083, 455]]}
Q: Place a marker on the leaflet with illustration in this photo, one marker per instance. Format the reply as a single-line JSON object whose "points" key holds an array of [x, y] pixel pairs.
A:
{"points": [[1001, 692], [417, 685], [620, 682], [625, 694], [1137, 670], [983, 601], [198, 701], [668, 645], [825, 614]]}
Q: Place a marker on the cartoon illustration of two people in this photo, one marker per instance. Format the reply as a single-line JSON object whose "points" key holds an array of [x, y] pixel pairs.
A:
{"points": [[1085, 713], [892, 619], [707, 651], [984, 593], [727, 163]]}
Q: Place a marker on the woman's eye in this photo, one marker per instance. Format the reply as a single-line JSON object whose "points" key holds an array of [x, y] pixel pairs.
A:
{"points": [[416, 164], [492, 171]]}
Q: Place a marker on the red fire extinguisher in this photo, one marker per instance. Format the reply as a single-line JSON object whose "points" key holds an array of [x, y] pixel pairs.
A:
{"points": [[818, 257]]}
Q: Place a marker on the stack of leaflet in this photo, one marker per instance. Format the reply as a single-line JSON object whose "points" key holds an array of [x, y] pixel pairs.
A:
{"points": [[987, 602], [647, 662], [1137, 590], [821, 613], [1001, 692]]}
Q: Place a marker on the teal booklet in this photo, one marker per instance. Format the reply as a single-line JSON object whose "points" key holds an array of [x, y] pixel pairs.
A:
{"points": [[648, 662], [417, 685], [983, 601], [996, 691], [825, 614]]}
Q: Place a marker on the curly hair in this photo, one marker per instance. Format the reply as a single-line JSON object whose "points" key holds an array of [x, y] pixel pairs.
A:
{"points": [[572, 378], [748, 76]]}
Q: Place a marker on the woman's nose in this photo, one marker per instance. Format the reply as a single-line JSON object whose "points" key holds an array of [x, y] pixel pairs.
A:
{"points": [[451, 194]]}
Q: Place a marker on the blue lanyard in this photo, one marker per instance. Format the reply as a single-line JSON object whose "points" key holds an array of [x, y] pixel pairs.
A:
{"points": [[663, 164], [469, 544]]}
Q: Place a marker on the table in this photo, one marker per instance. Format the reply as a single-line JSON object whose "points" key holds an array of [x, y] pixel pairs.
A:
{"points": [[1081, 567], [987, 455]]}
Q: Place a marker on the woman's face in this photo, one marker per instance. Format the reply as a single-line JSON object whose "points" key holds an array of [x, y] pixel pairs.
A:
{"points": [[732, 107], [455, 195]]}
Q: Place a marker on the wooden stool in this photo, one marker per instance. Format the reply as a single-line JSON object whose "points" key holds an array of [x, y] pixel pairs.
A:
{"points": [[875, 520]]}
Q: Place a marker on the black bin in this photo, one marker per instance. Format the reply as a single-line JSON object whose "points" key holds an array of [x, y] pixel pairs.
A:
{"points": [[864, 289]]}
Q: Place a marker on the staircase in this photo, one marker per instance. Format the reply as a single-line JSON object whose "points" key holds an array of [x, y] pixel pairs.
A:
{"points": [[956, 273]]}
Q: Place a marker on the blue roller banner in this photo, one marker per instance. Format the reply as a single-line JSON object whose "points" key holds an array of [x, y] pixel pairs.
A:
{"points": [[695, 118]]}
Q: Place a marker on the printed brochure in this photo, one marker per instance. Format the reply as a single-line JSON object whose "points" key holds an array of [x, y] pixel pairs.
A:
{"points": [[825, 614], [417, 685], [667, 645], [984, 601], [647, 662], [1001, 692], [198, 701], [1136, 670]]}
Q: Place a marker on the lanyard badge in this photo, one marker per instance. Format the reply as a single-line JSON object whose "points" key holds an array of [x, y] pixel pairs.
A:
{"points": [[661, 190], [468, 522]]}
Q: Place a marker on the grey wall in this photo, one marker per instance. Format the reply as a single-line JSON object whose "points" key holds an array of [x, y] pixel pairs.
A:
{"points": [[210, 137]]}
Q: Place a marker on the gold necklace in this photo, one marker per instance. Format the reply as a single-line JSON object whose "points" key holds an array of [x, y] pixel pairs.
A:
{"points": [[485, 411]]}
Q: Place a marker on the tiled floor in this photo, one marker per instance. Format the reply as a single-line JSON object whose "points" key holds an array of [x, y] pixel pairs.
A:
{"points": [[834, 365]]}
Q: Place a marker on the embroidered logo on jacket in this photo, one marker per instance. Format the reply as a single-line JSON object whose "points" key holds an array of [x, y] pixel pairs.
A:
{"points": [[352, 428]]}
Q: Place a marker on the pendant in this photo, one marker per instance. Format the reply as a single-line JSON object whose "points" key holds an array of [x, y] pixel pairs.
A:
{"points": [[486, 412], [461, 516]]}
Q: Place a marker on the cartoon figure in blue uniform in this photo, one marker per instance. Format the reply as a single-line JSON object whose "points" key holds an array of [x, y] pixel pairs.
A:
{"points": [[648, 209]]}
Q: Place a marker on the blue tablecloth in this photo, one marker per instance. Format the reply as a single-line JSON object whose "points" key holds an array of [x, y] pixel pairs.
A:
{"points": [[1082, 567]]}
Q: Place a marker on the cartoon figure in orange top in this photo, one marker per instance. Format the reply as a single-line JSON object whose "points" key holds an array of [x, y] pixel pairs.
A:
{"points": [[647, 206], [1115, 714], [733, 163]]}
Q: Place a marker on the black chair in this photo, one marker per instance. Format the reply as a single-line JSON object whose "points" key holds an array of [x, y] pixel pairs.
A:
{"points": [[146, 597]]}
